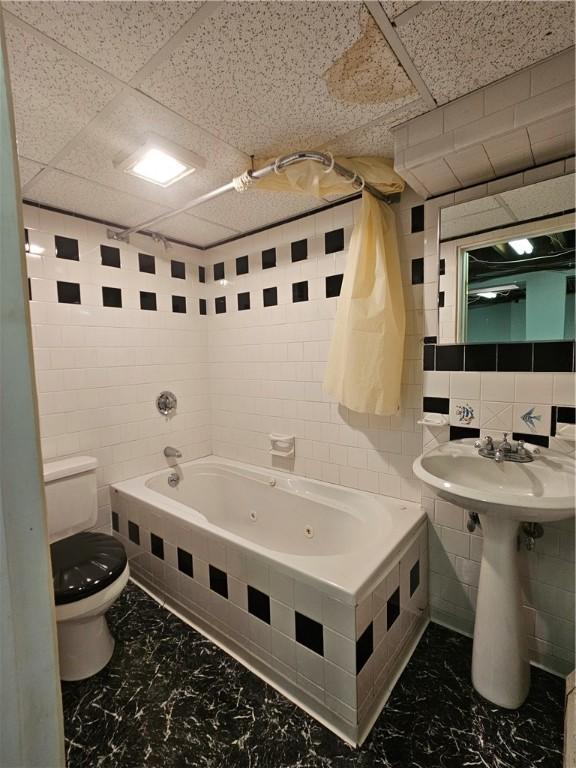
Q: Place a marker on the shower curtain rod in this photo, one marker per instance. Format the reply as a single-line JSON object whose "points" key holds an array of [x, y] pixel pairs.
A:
{"points": [[244, 182]]}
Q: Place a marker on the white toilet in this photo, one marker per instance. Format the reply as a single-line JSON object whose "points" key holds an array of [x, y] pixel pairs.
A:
{"points": [[90, 570]]}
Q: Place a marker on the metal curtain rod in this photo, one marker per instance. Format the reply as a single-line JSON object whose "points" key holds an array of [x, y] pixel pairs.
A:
{"points": [[278, 165]]}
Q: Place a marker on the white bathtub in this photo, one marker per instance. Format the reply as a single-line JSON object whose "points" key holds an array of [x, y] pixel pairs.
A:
{"points": [[272, 557]]}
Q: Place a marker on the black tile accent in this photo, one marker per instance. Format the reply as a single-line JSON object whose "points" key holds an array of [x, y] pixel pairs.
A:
{"points": [[480, 357], [133, 532], [269, 258], [26, 240], [450, 357], [157, 546], [148, 300], [514, 357], [393, 608], [300, 291], [461, 433], [414, 577], [220, 305], [565, 414], [441, 299], [429, 357], [553, 414], [242, 266], [66, 248], [243, 301], [68, 293], [201, 274], [218, 581], [178, 269], [417, 218], [333, 285], [554, 356], [179, 304], [258, 604], [202, 306], [29, 290], [309, 633], [417, 271], [115, 521], [270, 297], [219, 272], [430, 339], [111, 297], [364, 647], [299, 250], [147, 263], [436, 405], [110, 256], [185, 562], [334, 241], [442, 267], [534, 439]]}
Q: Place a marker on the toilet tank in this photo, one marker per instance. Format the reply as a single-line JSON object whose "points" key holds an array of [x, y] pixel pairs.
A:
{"points": [[71, 502]]}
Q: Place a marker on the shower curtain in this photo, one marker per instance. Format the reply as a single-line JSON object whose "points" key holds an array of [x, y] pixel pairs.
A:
{"points": [[364, 368]]}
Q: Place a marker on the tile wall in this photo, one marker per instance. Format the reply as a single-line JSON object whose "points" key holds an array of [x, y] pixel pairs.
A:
{"points": [[114, 325], [525, 389], [273, 300]]}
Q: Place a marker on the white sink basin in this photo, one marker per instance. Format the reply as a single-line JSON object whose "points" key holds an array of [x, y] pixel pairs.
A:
{"points": [[503, 495], [541, 490]]}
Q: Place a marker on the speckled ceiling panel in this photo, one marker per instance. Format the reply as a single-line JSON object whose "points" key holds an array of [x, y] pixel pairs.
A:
{"points": [[460, 46], [53, 96], [249, 210], [258, 75], [543, 199], [194, 230], [125, 128], [120, 37], [80, 196], [28, 169], [394, 8]]}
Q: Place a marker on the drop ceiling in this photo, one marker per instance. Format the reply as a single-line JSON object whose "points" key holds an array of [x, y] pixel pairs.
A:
{"points": [[228, 80]]}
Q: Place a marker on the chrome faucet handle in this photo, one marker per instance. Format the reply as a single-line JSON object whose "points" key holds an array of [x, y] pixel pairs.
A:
{"points": [[485, 442], [505, 445], [499, 456]]}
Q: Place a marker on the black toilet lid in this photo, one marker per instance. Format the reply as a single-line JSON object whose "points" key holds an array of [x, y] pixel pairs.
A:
{"points": [[85, 564]]}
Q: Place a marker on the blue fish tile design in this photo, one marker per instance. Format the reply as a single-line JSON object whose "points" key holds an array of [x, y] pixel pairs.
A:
{"points": [[531, 419], [465, 413]]}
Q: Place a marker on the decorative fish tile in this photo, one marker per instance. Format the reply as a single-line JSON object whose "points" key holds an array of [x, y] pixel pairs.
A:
{"points": [[533, 419], [464, 413], [169, 698]]}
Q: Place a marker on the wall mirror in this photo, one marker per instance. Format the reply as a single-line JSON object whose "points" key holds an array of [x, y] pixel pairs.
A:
{"points": [[507, 266]]}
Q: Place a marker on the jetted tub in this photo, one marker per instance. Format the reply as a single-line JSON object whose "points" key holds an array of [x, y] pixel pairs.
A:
{"points": [[320, 589]]}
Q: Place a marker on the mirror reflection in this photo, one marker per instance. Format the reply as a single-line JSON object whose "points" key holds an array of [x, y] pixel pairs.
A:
{"points": [[507, 266]]}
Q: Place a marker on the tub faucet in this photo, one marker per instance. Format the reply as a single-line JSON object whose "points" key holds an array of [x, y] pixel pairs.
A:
{"points": [[172, 453]]}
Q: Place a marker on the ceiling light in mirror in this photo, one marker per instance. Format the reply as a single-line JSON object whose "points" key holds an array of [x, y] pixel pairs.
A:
{"points": [[521, 246]]}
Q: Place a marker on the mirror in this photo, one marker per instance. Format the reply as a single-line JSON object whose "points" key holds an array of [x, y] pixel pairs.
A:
{"points": [[507, 266]]}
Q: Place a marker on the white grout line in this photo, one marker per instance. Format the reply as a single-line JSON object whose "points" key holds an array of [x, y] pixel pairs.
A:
{"points": [[380, 17], [413, 11]]}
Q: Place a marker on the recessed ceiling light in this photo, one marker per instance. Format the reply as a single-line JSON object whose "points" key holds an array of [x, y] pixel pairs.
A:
{"points": [[159, 161], [521, 246]]}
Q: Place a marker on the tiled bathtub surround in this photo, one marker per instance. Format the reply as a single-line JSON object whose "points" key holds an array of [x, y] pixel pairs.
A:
{"points": [[525, 389], [267, 363], [339, 660], [113, 325]]}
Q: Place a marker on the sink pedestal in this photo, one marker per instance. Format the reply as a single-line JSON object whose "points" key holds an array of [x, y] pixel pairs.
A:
{"points": [[500, 667]]}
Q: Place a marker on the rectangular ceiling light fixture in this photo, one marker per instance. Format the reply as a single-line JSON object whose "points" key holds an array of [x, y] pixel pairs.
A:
{"points": [[522, 246], [159, 161]]}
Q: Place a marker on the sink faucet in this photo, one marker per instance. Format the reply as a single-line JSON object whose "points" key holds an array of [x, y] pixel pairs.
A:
{"points": [[504, 450], [172, 453]]}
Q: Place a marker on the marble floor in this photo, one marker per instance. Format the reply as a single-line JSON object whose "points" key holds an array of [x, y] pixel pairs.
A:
{"points": [[171, 699]]}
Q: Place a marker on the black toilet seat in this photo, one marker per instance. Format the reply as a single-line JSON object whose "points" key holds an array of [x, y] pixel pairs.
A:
{"points": [[84, 564]]}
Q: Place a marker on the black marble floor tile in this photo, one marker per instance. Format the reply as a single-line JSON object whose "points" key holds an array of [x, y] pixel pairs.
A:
{"points": [[171, 699]]}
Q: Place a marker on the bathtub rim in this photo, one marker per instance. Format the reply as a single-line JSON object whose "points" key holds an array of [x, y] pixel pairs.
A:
{"points": [[136, 488]]}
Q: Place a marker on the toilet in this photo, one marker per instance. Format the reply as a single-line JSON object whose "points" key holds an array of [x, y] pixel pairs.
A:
{"points": [[89, 569]]}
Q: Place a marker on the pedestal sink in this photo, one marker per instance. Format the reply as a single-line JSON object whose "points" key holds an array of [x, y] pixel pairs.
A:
{"points": [[503, 494]]}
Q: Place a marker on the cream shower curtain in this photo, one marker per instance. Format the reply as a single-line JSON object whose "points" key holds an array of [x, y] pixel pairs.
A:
{"points": [[364, 367]]}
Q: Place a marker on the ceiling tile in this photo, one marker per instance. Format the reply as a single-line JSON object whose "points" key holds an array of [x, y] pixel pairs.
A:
{"points": [[77, 195], [558, 196], [257, 208], [54, 97], [193, 230], [120, 37], [394, 8], [28, 169], [125, 128], [460, 46], [260, 75]]}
